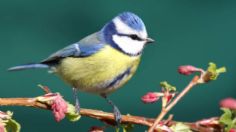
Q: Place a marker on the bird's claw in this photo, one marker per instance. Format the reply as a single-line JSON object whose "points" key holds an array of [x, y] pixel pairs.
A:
{"points": [[117, 115], [77, 108]]}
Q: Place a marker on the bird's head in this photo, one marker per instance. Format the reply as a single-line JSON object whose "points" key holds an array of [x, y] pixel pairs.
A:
{"points": [[127, 33]]}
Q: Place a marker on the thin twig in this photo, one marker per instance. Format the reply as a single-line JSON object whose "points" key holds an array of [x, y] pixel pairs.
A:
{"points": [[100, 115], [164, 110]]}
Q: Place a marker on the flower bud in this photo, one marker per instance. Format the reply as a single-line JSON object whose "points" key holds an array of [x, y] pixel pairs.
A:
{"points": [[150, 97], [232, 130], [187, 69], [59, 107], [228, 103]]}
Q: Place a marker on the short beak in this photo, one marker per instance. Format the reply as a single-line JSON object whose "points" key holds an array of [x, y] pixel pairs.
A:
{"points": [[149, 40]]}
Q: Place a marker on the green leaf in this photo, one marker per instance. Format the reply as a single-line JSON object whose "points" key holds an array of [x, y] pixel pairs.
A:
{"points": [[167, 86], [226, 117], [9, 124], [180, 127], [234, 112], [12, 126], [71, 114], [213, 72], [234, 122]]}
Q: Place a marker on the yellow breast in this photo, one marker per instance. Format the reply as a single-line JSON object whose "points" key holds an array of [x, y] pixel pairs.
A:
{"points": [[94, 73]]}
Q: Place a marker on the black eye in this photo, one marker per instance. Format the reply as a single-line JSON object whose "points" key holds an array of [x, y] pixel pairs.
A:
{"points": [[134, 37]]}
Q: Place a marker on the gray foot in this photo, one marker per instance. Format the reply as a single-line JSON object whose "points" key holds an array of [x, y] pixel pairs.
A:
{"points": [[77, 104], [116, 111]]}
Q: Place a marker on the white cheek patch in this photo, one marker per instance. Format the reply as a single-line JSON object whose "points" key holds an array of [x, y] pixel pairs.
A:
{"points": [[128, 45], [124, 29]]}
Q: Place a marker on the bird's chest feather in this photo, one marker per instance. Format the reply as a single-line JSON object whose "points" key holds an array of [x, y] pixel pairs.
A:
{"points": [[104, 71]]}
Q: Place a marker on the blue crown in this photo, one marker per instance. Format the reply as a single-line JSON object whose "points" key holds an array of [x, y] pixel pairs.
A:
{"points": [[132, 20]]}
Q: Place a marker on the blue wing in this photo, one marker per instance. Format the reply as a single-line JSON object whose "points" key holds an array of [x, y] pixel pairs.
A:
{"points": [[86, 47]]}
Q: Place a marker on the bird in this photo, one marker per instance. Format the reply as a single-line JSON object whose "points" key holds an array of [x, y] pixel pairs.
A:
{"points": [[101, 62]]}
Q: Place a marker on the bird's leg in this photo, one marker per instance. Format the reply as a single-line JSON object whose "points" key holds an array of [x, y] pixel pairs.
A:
{"points": [[116, 111], [77, 104]]}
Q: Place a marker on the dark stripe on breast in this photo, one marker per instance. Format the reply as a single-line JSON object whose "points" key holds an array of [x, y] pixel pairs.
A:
{"points": [[119, 78]]}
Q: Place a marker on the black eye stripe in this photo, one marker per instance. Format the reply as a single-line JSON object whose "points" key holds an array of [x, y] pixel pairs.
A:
{"points": [[135, 37], [132, 36]]}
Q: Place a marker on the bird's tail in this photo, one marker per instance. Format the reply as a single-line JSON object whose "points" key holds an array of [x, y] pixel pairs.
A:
{"points": [[28, 66]]}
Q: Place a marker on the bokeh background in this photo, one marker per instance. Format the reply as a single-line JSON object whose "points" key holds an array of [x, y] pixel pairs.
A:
{"points": [[186, 32]]}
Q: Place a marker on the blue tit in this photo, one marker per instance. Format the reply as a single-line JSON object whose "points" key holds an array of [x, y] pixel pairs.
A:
{"points": [[101, 62]]}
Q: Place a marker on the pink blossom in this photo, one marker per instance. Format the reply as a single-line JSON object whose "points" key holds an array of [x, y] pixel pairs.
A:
{"points": [[187, 69], [150, 97], [59, 107], [4, 115], [2, 127], [232, 130], [228, 103]]}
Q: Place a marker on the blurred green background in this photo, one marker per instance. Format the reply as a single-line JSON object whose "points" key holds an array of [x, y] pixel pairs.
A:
{"points": [[186, 32]]}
